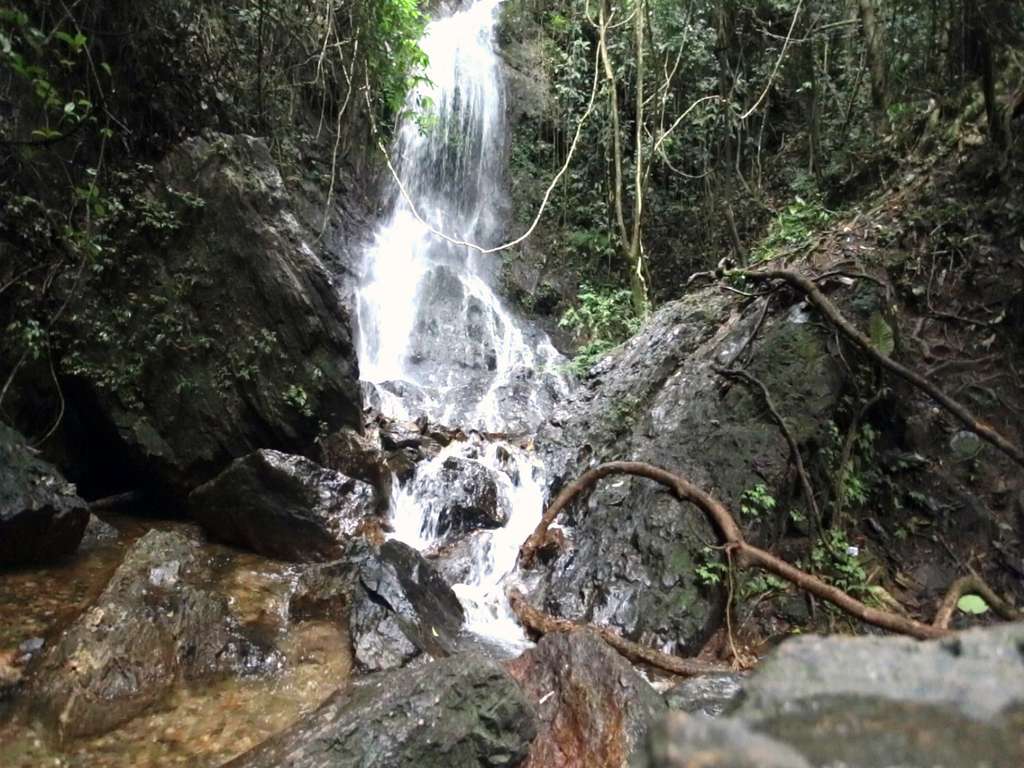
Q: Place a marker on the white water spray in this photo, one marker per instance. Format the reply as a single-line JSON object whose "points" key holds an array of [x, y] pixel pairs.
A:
{"points": [[434, 338]]}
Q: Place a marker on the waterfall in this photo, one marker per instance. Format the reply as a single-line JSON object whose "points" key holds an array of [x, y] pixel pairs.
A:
{"points": [[434, 338]]}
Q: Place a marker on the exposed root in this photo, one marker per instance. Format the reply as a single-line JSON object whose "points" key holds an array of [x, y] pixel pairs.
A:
{"points": [[832, 313], [742, 554], [543, 623], [973, 585]]}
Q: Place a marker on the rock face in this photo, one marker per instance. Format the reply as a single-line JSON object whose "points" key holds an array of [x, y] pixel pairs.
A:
{"points": [[401, 607], [867, 702], [634, 547], [283, 506], [266, 354], [41, 517], [153, 625], [461, 712], [359, 457], [594, 708], [465, 494]]}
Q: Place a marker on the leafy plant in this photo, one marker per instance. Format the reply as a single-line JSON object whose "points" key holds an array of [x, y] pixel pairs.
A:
{"points": [[603, 318], [838, 562], [710, 570], [793, 228], [757, 502]]}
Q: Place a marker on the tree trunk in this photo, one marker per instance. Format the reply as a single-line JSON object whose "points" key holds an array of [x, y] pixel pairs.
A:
{"points": [[876, 56]]}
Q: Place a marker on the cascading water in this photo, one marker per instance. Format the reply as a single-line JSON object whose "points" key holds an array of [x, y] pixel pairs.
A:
{"points": [[434, 338]]}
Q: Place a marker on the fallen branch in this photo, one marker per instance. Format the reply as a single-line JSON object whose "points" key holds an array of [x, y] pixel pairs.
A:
{"points": [[743, 554], [827, 308], [109, 502], [973, 585], [543, 623]]}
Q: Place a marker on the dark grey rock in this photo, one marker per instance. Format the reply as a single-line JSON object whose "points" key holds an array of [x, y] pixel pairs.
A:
{"points": [[635, 548], [709, 695], [283, 506], [270, 353], [594, 708], [41, 517], [401, 608], [98, 533], [153, 625], [685, 741], [462, 496], [460, 712], [360, 457]]}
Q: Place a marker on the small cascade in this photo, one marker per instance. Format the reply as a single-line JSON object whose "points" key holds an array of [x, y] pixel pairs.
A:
{"points": [[435, 339]]}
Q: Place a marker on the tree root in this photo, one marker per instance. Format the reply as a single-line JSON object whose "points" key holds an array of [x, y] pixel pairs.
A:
{"points": [[742, 554], [973, 584], [832, 313], [543, 623]]}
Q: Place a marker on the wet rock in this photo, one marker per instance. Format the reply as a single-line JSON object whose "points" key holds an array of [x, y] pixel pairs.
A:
{"points": [[359, 457], [461, 712], [635, 548], [401, 607], [403, 464], [98, 533], [683, 741], [709, 695], [41, 517], [268, 355], [456, 561], [153, 625], [283, 506], [594, 708], [462, 496]]}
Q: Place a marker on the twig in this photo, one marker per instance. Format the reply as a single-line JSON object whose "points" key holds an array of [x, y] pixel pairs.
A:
{"points": [[794, 449], [742, 553], [966, 417], [543, 623]]}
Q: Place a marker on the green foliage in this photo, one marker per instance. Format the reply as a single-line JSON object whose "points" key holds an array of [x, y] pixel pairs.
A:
{"points": [[757, 502], [760, 584], [792, 229], [603, 319], [710, 569], [838, 562], [972, 604]]}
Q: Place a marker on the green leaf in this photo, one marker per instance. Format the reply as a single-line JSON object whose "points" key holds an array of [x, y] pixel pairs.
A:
{"points": [[882, 337], [972, 604]]}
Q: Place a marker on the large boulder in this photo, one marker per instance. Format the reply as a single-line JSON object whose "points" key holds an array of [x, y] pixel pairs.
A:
{"points": [[866, 702], [594, 708], [401, 608], [284, 506], [635, 548], [153, 625], [460, 712], [219, 330], [360, 457], [41, 517], [460, 496]]}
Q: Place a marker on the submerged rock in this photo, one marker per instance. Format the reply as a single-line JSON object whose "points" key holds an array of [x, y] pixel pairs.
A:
{"points": [[401, 608], [461, 712], [594, 708], [461, 496], [41, 517], [153, 625], [283, 506]]}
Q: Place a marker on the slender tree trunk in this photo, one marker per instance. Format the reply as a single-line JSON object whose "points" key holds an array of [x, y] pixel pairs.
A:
{"points": [[876, 56], [638, 283]]}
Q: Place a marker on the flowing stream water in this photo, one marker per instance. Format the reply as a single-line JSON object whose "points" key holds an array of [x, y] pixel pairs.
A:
{"points": [[434, 338]]}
